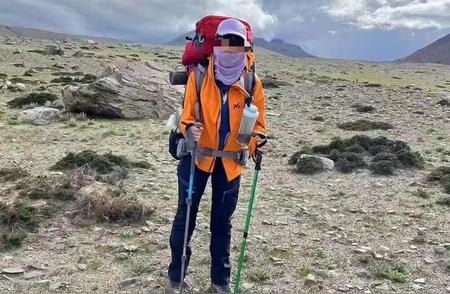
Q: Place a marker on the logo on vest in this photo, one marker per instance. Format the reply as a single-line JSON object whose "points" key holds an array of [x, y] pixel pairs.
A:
{"points": [[237, 106]]}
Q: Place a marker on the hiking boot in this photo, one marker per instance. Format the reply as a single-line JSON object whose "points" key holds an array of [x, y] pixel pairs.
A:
{"points": [[175, 287], [220, 288]]}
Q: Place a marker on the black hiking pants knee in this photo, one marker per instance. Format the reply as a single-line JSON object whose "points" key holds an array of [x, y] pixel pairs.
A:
{"points": [[224, 199]]}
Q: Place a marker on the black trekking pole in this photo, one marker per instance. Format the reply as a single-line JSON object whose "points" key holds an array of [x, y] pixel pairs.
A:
{"points": [[188, 216], [258, 160]]}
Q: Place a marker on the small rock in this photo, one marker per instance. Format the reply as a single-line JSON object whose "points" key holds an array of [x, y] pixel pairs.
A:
{"points": [[145, 229], [446, 246], [30, 72], [131, 248], [429, 260], [32, 275], [419, 281], [378, 256], [82, 266], [42, 283], [420, 239], [127, 282], [448, 289], [384, 249], [383, 287], [444, 102], [364, 274], [328, 164], [148, 282], [247, 286], [121, 256], [19, 87], [343, 289], [321, 273], [13, 270], [360, 250], [439, 249], [57, 285], [310, 279]]}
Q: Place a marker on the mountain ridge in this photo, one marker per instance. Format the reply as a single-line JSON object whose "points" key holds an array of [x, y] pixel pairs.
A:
{"points": [[436, 52], [276, 45]]}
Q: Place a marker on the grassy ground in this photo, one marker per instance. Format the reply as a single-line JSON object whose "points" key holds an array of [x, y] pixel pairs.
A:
{"points": [[321, 233]]}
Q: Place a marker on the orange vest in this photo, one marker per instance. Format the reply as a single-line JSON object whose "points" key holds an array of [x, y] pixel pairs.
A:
{"points": [[210, 101]]}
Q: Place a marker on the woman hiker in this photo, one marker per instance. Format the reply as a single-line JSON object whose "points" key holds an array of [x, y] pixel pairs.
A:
{"points": [[222, 102]]}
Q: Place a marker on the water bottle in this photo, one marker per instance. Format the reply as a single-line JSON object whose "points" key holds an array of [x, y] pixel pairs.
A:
{"points": [[248, 120]]}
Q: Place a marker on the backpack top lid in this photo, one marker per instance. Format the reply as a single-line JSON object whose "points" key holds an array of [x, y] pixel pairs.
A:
{"points": [[201, 47]]}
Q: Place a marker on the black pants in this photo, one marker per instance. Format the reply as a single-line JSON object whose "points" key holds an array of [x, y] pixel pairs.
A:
{"points": [[224, 200]]}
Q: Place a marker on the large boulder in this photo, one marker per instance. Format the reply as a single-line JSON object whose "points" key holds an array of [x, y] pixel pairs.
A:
{"points": [[138, 91]]}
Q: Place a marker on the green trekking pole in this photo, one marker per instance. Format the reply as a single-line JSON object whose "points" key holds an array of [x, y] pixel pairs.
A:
{"points": [[258, 160]]}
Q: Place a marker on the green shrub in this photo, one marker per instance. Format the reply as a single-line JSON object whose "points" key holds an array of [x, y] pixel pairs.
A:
{"points": [[46, 187], [15, 217], [309, 165], [442, 175], [421, 193], [36, 98], [349, 154], [444, 201], [12, 239], [365, 125], [439, 174], [447, 184], [296, 156], [349, 161], [391, 270], [382, 167], [10, 174], [103, 164], [112, 206]]}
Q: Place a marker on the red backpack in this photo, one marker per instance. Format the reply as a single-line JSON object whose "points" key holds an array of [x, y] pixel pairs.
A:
{"points": [[201, 46]]}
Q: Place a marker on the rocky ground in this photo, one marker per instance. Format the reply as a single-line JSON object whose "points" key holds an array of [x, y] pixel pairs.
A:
{"points": [[324, 233]]}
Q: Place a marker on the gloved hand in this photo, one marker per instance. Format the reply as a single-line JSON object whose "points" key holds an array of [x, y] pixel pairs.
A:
{"points": [[196, 131], [193, 133], [261, 143]]}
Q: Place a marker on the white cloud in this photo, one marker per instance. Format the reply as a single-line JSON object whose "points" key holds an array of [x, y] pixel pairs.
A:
{"points": [[130, 19], [391, 14]]}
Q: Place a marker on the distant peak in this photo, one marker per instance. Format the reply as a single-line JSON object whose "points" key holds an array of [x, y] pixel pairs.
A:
{"points": [[277, 41]]}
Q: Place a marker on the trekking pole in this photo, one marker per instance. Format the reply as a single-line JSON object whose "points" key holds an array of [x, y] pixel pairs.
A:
{"points": [[258, 160], [188, 215]]}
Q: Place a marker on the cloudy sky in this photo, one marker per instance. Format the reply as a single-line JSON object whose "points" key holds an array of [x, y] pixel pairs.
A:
{"points": [[377, 30]]}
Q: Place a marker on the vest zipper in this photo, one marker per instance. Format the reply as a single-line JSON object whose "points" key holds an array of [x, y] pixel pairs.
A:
{"points": [[217, 126]]}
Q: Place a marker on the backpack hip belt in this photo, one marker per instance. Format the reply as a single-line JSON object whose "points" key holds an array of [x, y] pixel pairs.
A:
{"points": [[240, 157]]}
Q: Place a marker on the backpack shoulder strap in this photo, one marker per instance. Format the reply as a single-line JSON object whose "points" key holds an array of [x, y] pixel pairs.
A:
{"points": [[199, 72], [249, 83]]}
